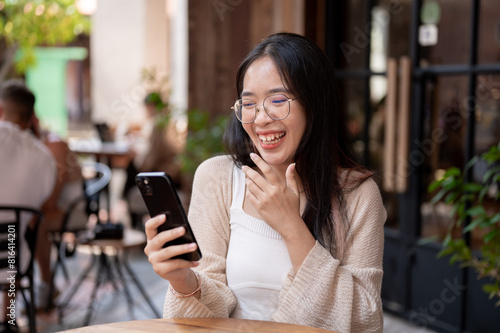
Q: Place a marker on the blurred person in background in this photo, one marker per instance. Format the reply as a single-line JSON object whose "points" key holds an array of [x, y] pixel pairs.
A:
{"points": [[68, 188], [291, 228], [27, 168], [153, 150]]}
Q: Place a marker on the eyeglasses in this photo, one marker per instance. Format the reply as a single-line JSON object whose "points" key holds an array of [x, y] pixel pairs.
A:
{"points": [[277, 107]]}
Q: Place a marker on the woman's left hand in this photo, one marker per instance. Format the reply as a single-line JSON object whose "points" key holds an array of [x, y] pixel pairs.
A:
{"points": [[277, 202]]}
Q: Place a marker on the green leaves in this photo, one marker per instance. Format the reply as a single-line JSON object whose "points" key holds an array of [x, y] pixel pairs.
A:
{"points": [[476, 211], [468, 207], [493, 154], [495, 233], [204, 139], [26, 24], [491, 173]]}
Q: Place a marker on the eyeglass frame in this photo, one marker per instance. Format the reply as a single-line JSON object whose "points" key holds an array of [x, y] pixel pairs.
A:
{"points": [[289, 100]]}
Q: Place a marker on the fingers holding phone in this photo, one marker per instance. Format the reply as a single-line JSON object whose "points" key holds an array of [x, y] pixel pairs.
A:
{"points": [[152, 225], [162, 201], [165, 258], [173, 250], [171, 246]]}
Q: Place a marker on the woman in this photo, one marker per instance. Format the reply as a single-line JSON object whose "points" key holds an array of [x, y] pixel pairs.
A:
{"points": [[291, 229]]}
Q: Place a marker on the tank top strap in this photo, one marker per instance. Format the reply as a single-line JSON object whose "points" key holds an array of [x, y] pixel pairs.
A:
{"points": [[238, 188]]}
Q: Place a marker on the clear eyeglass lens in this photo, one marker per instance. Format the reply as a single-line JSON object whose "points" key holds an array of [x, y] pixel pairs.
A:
{"points": [[245, 110], [276, 106]]}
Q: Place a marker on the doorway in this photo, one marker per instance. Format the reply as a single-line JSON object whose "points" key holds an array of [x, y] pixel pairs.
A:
{"points": [[420, 81]]}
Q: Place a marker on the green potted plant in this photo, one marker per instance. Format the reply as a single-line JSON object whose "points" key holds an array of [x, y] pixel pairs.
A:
{"points": [[204, 140], [468, 201], [156, 84]]}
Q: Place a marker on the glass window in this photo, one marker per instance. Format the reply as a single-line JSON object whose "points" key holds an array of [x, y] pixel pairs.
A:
{"points": [[355, 37], [351, 97], [397, 18], [352, 92], [453, 32], [378, 148], [487, 135], [387, 29], [488, 112], [442, 145], [489, 32]]}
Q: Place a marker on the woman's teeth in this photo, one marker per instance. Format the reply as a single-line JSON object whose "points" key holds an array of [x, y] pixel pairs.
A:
{"points": [[271, 139]]}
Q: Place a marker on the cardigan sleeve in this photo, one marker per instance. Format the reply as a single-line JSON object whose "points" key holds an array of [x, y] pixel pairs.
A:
{"points": [[342, 296], [209, 219]]}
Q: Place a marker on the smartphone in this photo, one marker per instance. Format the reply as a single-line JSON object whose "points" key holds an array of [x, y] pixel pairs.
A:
{"points": [[160, 197]]}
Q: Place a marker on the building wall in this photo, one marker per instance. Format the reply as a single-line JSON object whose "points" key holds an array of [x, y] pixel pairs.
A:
{"points": [[178, 56], [221, 33], [208, 40], [127, 37]]}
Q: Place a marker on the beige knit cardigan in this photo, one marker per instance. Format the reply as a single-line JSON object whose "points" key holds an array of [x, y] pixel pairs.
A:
{"points": [[324, 293]]}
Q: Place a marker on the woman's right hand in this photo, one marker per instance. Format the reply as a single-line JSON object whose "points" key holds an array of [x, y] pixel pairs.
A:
{"points": [[177, 271]]}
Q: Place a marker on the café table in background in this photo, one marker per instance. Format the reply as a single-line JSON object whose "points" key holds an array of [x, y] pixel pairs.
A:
{"points": [[186, 325], [103, 152]]}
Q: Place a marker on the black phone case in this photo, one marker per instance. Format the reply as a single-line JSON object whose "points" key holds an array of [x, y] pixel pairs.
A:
{"points": [[160, 197]]}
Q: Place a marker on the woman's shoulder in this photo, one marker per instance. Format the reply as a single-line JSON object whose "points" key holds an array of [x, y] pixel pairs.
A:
{"points": [[219, 162], [217, 167], [368, 187], [213, 178], [366, 197], [357, 184]]}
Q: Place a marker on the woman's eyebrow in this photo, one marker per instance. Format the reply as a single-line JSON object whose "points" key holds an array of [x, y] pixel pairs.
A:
{"points": [[246, 93], [279, 90], [271, 91]]}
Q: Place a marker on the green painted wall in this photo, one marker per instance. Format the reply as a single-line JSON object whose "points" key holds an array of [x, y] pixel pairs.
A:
{"points": [[47, 80]]}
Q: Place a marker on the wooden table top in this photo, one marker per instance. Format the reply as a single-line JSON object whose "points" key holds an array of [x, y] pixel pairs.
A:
{"points": [[183, 325], [131, 238]]}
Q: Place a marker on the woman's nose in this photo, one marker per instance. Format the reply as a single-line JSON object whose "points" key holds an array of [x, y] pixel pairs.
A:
{"points": [[261, 116]]}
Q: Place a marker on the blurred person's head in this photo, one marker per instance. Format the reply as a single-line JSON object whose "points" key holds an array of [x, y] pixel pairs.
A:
{"points": [[16, 103]]}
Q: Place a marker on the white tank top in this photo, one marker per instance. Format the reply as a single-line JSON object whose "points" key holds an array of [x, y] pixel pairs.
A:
{"points": [[257, 260]]}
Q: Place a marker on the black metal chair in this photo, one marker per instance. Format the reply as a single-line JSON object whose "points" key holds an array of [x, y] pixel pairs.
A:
{"points": [[93, 187], [17, 222], [109, 267]]}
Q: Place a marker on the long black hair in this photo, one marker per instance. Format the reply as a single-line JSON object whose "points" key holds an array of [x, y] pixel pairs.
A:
{"points": [[324, 157]]}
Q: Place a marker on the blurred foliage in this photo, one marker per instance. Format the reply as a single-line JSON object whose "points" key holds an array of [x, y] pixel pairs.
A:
{"points": [[155, 99], [26, 24], [204, 139], [156, 84], [467, 201], [161, 107]]}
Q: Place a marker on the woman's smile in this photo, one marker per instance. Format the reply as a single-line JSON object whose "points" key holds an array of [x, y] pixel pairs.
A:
{"points": [[271, 140]]}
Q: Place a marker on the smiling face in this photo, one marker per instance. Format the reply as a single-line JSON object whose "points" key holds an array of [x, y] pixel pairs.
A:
{"points": [[276, 140]]}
